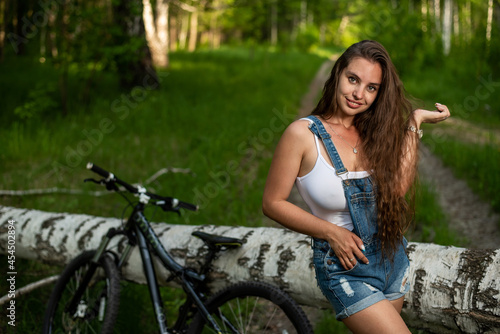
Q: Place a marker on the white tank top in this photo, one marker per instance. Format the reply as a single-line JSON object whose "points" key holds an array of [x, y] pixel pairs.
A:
{"points": [[323, 192]]}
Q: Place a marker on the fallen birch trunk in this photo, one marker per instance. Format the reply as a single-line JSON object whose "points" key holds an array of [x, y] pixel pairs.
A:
{"points": [[453, 289]]}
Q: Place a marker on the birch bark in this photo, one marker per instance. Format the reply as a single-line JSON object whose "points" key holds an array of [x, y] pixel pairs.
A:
{"points": [[157, 31], [453, 289]]}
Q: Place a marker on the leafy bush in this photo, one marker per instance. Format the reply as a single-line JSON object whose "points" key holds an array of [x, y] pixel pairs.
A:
{"points": [[41, 100], [307, 38]]}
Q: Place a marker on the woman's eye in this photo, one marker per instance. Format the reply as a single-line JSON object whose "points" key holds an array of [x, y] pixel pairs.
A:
{"points": [[372, 88], [352, 79]]}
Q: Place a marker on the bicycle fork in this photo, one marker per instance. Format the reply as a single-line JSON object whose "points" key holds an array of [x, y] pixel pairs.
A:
{"points": [[72, 306]]}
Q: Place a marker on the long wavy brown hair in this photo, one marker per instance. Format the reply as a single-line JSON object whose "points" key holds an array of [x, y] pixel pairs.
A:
{"points": [[382, 130]]}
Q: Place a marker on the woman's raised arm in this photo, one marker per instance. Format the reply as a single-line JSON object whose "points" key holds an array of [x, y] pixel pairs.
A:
{"points": [[410, 156]]}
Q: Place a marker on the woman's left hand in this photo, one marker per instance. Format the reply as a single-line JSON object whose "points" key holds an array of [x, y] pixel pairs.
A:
{"points": [[431, 116]]}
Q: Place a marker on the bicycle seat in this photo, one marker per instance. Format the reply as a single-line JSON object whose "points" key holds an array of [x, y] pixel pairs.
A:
{"points": [[213, 240]]}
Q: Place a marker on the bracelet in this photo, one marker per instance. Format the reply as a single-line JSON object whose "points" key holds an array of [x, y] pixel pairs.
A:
{"points": [[414, 129]]}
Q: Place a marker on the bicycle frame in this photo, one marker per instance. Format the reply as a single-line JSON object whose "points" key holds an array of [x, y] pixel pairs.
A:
{"points": [[139, 229], [94, 305]]}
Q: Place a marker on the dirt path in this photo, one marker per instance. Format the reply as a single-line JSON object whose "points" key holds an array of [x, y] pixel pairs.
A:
{"points": [[466, 131], [468, 215]]}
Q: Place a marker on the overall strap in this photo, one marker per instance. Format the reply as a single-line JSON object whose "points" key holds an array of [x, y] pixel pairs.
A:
{"points": [[319, 130]]}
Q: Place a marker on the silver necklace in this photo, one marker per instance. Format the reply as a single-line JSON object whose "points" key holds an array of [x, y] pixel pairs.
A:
{"points": [[354, 149]]}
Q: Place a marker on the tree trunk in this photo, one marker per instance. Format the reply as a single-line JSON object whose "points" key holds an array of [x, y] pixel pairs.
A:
{"points": [[437, 15], [48, 44], [135, 66], [489, 23], [453, 289], [193, 31], [274, 23], [447, 25], [3, 16], [65, 55], [424, 11], [468, 19], [24, 29], [214, 31], [183, 33], [157, 31], [456, 22]]}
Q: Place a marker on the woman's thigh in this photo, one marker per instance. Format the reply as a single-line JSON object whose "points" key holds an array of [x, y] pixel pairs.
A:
{"points": [[398, 304], [381, 318]]}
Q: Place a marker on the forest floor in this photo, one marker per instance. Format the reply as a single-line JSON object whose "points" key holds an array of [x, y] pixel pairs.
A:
{"points": [[469, 216]]}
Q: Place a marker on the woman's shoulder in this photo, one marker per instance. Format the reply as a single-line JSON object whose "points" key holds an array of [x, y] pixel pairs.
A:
{"points": [[299, 127], [296, 134]]}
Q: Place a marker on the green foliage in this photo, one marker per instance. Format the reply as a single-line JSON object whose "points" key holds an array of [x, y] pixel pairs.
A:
{"points": [[243, 21], [328, 324], [41, 101], [307, 38]]}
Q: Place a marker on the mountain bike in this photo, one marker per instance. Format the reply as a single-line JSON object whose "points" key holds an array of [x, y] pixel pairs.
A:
{"points": [[86, 297]]}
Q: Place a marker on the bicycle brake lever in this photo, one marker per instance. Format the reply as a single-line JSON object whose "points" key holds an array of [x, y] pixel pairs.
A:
{"points": [[169, 208], [175, 210], [109, 185]]}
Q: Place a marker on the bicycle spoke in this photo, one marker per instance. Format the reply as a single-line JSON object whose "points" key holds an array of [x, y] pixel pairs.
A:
{"points": [[268, 324]]}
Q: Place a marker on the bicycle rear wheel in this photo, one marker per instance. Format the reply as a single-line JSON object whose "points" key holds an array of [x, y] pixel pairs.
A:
{"points": [[98, 307], [253, 307]]}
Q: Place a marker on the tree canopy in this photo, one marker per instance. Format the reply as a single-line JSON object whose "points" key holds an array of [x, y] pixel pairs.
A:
{"points": [[133, 37]]}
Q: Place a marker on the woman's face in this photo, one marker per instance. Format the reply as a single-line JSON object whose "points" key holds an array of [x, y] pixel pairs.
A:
{"points": [[358, 86]]}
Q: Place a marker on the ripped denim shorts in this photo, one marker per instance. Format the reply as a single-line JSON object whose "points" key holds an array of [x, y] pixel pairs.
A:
{"points": [[350, 291]]}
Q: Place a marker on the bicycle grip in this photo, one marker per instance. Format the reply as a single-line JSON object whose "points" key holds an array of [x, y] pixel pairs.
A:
{"points": [[188, 206], [98, 170]]}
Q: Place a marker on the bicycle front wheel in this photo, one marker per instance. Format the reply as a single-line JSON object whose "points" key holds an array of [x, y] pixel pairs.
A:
{"points": [[253, 307], [97, 308]]}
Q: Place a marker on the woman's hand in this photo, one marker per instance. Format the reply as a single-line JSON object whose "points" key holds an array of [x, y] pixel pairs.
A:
{"points": [[431, 116], [348, 247]]}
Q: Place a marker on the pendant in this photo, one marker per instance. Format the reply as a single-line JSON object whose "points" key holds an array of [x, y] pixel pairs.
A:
{"points": [[355, 151]]}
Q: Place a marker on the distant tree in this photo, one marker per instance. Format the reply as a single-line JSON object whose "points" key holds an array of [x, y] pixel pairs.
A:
{"points": [[156, 24], [2, 27], [134, 63]]}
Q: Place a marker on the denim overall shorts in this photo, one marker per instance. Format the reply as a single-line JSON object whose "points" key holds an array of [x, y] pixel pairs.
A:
{"points": [[350, 291]]}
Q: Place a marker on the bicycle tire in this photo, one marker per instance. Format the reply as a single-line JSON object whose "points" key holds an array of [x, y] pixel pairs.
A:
{"points": [[98, 308], [253, 307]]}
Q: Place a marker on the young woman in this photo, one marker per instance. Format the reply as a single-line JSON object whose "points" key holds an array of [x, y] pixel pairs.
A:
{"points": [[353, 160]]}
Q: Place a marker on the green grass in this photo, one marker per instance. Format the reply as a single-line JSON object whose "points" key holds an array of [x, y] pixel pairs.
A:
{"points": [[328, 324]]}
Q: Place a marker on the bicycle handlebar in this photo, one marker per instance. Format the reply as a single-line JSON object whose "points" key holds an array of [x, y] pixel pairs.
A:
{"points": [[170, 203]]}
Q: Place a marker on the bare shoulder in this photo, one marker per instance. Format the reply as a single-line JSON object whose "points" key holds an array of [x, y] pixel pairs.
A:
{"points": [[298, 130], [296, 138]]}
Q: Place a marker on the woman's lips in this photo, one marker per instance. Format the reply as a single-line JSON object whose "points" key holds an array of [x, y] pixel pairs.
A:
{"points": [[352, 104]]}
